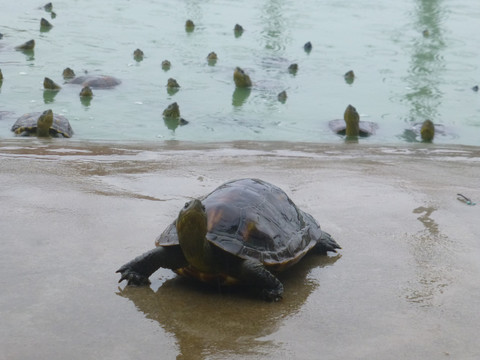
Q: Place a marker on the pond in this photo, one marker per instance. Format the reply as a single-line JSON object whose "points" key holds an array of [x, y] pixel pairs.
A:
{"points": [[413, 60]]}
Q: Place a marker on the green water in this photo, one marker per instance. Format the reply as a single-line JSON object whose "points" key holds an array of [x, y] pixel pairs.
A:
{"points": [[402, 76]]}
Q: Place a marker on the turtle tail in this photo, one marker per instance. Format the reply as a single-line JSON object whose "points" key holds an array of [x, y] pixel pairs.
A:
{"points": [[326, 243]]}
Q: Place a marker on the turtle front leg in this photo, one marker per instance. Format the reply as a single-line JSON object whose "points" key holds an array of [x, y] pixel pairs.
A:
{"points": [[253, 273], [138, 270]]}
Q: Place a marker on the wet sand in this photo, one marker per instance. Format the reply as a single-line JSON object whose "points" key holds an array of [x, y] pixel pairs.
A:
{"points": [[404, 286]]}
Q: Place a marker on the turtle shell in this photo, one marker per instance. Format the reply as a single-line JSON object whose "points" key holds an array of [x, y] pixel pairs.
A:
{"points": [[96, 81], [253, 219], [366, 128], [28, 123]]}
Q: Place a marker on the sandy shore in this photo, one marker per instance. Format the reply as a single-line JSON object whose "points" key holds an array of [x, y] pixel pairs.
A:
{"points": [[404, 286]]}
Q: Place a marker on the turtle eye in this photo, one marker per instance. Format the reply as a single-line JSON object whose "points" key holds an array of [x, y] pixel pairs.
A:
{"points": [[187, 204], [203, 208]]}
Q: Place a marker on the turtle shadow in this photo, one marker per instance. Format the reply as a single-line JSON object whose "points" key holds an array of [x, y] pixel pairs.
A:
{"points": [[219, 320]]}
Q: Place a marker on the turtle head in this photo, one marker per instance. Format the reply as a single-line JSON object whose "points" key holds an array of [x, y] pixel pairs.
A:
{"points": [[172, 111], [241, 79], [352, 121], [192, 230], [193, 213], [44, 123], [427, 131]]}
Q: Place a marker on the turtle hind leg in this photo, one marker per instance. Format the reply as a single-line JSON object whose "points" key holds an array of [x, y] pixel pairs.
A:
{"points": [[138, 270], [254, 274], [326, 243]]}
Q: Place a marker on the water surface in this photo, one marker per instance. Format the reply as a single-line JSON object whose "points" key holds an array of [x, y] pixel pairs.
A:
{"points": [[403, 76]]}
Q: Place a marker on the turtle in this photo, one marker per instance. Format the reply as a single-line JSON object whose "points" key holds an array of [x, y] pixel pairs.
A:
{"points": [[241, 79], [212, 58], [293, 68], [96, 81], [351, 126], [86, 92], [426, 131], [166, 64], [189, 26], [138, 55], [27, 46], [349, 77], [244, 231], [238, 30], [172, 83], [171, 116], [307, 47], [68, 73], [49, 84], [43, 124], [45, 25]]}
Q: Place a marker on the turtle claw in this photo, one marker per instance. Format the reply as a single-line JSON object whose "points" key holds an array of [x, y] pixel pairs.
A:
{"points": [[272, 295], [132, 277]]}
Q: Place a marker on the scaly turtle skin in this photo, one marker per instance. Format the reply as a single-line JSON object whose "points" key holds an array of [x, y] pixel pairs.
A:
{"points": [[351, 126], [241, 232], [43, 124], [96, 81]]}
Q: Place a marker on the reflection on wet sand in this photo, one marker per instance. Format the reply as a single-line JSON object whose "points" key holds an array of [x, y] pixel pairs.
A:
{"points": [[209, 321], [432, 260]]}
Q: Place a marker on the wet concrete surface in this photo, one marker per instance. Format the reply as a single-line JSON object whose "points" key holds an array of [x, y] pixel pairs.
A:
{"points": [[405, 284]]}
